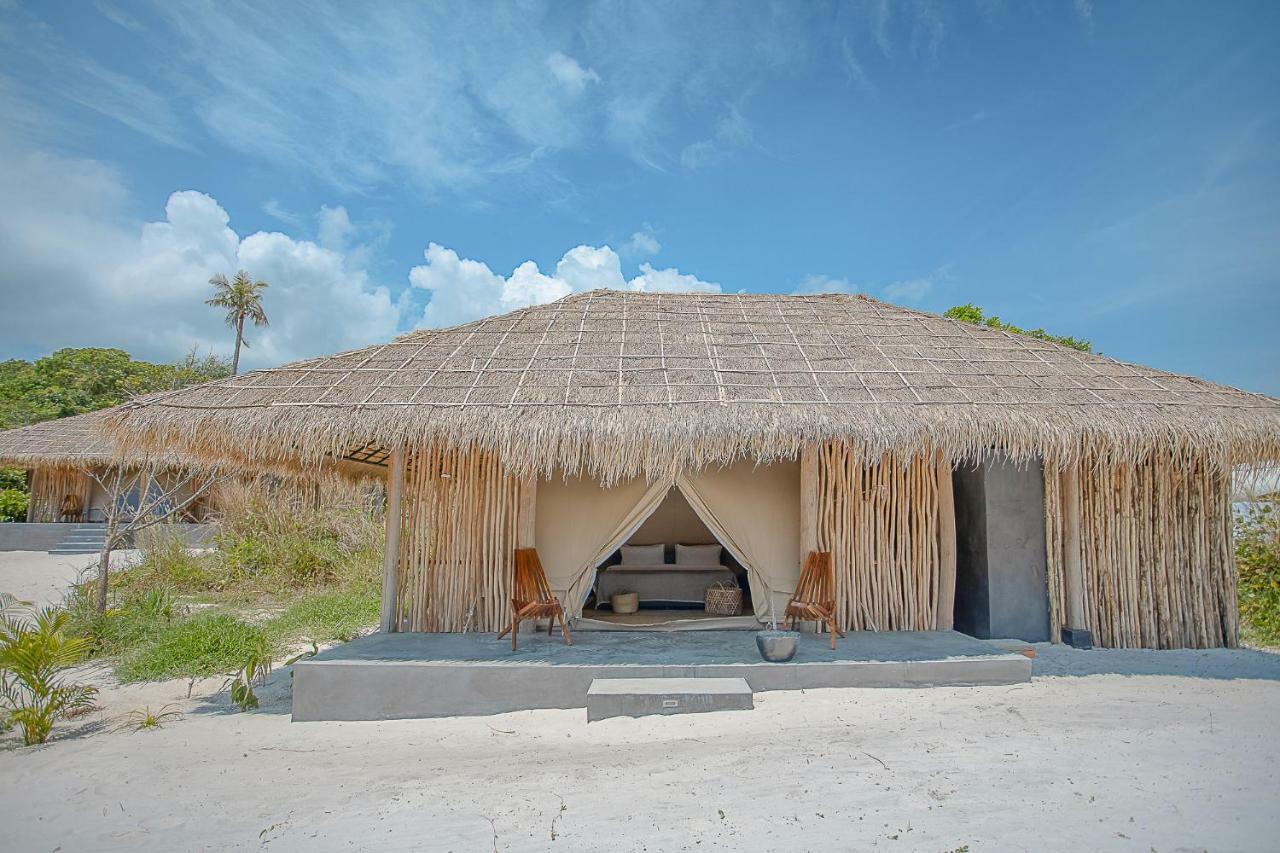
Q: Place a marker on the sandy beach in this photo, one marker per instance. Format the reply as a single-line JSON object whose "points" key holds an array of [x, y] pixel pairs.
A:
{"points": [[1103, 750], [1181, 757]]}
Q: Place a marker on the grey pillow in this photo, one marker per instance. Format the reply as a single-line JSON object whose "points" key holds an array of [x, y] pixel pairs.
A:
{"points": [[643, 555], [698, 555]]}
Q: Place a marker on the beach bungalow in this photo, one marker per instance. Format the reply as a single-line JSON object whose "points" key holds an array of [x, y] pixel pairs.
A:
{"points": [[959, 476]]}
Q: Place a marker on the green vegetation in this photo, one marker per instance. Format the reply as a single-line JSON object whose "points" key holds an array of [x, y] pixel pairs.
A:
{"points": [[197, 646], [1257, 537], [144, 719], [75, 381], [279, 576], [242, 297], [971, 313], [13, 505], [35, 653]]}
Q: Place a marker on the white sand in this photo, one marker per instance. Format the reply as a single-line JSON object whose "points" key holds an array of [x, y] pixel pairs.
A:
{"points": [[1114, 750], [43, 578], [1104, 761]]}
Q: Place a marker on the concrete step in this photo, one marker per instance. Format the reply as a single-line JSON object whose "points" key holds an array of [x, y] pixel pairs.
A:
{"points": [[82, 539], [638, 697]]}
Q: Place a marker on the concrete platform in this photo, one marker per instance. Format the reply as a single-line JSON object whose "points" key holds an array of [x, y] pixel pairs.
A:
{"points": [[398, 676], [641, 697]]}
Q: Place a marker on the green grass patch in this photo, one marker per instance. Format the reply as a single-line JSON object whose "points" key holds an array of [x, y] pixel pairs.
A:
{"points": [[326, 617], [195, 647], [1257, 538]]}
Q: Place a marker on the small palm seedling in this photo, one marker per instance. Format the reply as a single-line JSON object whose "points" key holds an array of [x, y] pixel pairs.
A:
{"points": [[35, 653], [143, 719], [255, 671]]}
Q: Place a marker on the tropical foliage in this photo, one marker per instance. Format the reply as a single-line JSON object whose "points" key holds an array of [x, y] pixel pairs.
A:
{"points": [[75, 381], [242, 299], [35, 653], [1258, 562], [13, 504], [970, 313]]}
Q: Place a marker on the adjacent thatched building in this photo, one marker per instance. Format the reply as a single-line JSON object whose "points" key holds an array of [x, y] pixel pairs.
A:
{"points": [[788, 423], [69, 458]]}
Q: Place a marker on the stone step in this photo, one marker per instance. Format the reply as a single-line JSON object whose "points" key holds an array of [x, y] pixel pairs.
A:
{"points": [[639, 697]]}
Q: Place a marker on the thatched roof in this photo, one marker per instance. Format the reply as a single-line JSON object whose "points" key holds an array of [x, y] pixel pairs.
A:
{"points": [[624, 383], [79, 441]]}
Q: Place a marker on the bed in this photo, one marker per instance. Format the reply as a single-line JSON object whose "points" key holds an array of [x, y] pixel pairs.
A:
{"points": [[644, 571]]}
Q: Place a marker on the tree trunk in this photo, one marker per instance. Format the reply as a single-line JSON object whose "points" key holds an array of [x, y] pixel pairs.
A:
{"points": [[235, 359], [104, 566]]}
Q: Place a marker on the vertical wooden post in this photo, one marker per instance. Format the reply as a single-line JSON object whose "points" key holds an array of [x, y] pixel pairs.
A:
{"points": [[808, 500], [1072, 568], [526, 512], [945, 605], [391, 553]]}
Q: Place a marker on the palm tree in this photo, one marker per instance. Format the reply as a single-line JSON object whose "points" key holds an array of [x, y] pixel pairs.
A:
{"points": [[242, 297]]}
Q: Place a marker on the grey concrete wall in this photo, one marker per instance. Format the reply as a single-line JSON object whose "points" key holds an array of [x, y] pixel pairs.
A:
{"points": [[24, 536], [1001, 589]]}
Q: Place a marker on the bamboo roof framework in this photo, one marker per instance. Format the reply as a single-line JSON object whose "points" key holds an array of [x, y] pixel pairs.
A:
{"points": [[621, 384]]}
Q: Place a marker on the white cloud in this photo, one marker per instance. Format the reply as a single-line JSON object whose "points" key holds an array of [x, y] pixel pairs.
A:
{"points": [[104, 281], [910, 292], [276, 211], [670, 281], [732, 132], [463, 290], [570, 74], [643, 242], [815, 284]]}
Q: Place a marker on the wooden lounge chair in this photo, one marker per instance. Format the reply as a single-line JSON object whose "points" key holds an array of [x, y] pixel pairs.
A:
{"points": [[532, 598], [71, 509], [815, 595]]}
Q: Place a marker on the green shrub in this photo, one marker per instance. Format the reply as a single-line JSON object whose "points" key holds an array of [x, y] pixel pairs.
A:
{"points": [[275, 549], [13, 478], [1258, 564], [197, 647], [327, 617], [13, 505], [35, 653], [166, 563]]}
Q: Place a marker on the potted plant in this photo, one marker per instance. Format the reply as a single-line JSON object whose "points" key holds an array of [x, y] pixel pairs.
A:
{"points": [[776, 645]]}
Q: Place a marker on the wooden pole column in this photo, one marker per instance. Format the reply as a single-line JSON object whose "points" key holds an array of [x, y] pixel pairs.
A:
{"points": [[945, 605], [808, 500], [391, 553], [1075, 632]]}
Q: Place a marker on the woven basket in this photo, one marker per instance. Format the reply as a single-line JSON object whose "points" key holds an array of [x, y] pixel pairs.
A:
{"points": [[723, 600]]}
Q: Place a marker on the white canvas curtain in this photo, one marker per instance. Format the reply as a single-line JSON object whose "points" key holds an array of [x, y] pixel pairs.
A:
{"points": [[578, 524], [753, 510]]}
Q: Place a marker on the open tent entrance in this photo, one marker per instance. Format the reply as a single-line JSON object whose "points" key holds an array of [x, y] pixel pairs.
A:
{"points": [[667, 564], [750, 511]]}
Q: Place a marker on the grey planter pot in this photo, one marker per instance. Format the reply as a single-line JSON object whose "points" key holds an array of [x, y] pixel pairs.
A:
{"points": [[777, 646]]}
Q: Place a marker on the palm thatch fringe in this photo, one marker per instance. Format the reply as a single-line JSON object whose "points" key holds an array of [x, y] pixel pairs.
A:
{"points": [[617, 385], [49, 487]]}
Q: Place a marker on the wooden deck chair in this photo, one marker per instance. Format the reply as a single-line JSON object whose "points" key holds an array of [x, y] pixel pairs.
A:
{"points": [[72, 509], [532, 598], [815, 595]]}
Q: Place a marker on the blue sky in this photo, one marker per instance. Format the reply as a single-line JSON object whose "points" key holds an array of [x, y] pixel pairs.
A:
{"points": [[1108, 170]]}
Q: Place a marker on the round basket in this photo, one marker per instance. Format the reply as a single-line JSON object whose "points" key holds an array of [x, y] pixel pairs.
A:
{"points": [[723, 600], [625, 602]]}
